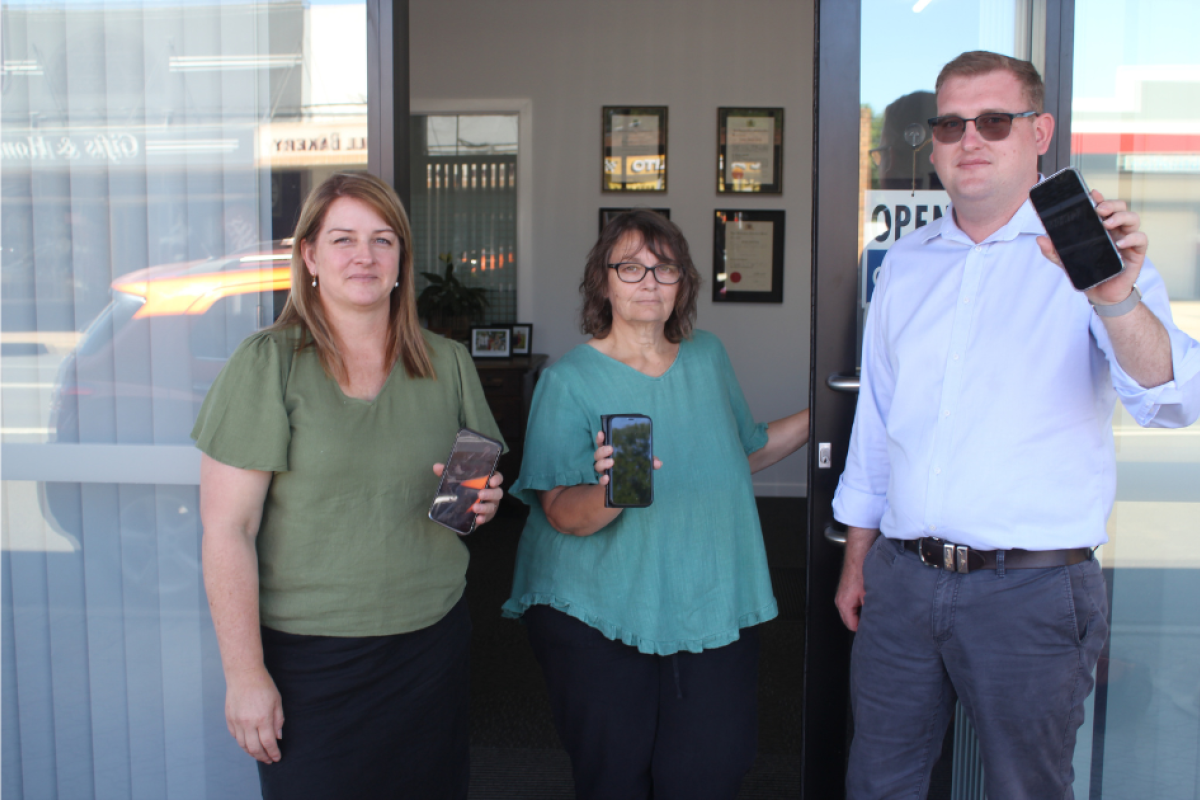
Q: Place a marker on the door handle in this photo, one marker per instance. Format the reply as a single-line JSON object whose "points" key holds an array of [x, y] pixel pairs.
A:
{"points": [[843, 383], [835, 532]]}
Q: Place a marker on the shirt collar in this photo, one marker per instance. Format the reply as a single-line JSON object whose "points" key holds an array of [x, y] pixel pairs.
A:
{"points": [[1024, 221]]}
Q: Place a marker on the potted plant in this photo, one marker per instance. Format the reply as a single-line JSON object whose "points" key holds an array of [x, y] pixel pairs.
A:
{"points": [[447, 305]]}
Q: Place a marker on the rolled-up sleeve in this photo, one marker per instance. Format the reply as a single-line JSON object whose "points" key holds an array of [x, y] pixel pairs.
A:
{"points": [[1176, 403]]}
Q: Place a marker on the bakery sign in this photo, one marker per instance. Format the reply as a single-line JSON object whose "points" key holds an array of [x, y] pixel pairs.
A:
{"points": [[305, 144]]}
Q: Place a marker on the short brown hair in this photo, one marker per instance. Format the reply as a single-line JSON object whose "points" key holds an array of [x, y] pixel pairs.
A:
{"points": [[981, 62], [304, 308], [664, 239]]}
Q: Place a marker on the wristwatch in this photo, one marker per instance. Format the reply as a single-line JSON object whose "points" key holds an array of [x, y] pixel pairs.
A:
{"points": [[1119, 309]]}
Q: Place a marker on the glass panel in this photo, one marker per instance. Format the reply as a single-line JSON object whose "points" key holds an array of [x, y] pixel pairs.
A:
{"points": [[1135, 134], [464, 207], [904, 46], [154, 155]]}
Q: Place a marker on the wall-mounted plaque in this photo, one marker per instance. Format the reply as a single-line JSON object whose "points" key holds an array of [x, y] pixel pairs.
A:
{"points": [[608, 213], [748, 256], [635, 149], [750, 150]]}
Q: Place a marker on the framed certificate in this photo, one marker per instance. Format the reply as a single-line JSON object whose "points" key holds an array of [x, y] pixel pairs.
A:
{"points": [[748, 256], [634, 157], [750, 150], [608, 213]]}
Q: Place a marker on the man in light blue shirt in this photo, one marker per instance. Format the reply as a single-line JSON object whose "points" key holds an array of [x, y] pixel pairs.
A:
{"points": [[983, 451]]}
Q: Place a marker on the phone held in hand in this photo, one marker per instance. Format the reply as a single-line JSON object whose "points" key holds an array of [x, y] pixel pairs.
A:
{"points": [[631, 478], [470, 466], [1065, 207]]}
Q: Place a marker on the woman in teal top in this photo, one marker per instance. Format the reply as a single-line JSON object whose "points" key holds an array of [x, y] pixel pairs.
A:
{"points": [[337, 603], [643, 618]]}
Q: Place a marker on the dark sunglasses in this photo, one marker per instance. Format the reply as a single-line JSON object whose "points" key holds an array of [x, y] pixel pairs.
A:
{"points": [[993, 126]]}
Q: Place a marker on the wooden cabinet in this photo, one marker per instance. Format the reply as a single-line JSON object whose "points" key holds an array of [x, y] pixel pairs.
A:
{"points": [[508, 384]]}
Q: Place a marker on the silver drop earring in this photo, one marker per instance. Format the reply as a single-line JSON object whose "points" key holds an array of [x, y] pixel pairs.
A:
{"points": [[314, 281], [397, 286]]}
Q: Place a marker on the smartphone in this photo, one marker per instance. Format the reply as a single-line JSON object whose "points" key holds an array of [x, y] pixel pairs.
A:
{"points": [[468, 469], [631, 478], [1065, 207]]}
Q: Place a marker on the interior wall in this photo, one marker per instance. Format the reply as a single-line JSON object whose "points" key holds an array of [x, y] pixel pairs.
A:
{"points": [[568, 59]]}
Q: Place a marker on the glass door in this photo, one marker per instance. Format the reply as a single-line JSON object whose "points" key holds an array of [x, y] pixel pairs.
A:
{"points": [[877, 62]]}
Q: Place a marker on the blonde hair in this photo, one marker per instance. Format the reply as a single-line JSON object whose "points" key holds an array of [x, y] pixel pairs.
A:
{"points": [[304, 309]]}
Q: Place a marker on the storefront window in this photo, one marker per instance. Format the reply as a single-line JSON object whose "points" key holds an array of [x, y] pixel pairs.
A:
{"points": [[1135, 134], [154, 159]]}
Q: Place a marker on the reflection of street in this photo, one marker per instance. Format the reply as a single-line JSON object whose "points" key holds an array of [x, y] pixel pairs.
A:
{"points": [[631, 474], [28, 370], [466, 473]]}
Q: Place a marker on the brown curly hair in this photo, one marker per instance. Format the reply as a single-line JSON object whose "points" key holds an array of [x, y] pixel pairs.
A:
{"points": [[664, 239]]}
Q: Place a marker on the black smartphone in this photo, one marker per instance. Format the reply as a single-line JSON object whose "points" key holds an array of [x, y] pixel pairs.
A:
{"points": [[1065, 207], [631, 478], [468, 469]]}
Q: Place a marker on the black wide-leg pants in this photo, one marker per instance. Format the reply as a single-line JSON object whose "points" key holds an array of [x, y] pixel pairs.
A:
{"points": [[636, 725], [372, 717]]}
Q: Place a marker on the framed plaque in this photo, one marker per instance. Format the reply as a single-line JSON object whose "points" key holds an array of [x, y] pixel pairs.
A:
{"points": [[608, 213], [750, 150], [748, 256], [634, 157]]}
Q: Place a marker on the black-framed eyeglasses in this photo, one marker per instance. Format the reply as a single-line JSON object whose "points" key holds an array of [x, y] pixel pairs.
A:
{"points": [[992, 126], [633, 272]]}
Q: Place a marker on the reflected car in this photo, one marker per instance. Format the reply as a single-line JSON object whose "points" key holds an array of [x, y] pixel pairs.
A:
{"points": [[142, 369]]}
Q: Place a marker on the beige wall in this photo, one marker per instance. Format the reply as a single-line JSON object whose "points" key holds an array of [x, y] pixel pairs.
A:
{"points": [[570, 58]]}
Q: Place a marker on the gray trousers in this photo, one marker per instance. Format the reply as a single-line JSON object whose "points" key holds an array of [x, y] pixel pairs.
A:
{"points": [[1017, 648]]}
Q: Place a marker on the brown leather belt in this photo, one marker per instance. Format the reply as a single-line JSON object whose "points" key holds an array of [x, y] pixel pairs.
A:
{"points": [[937, 553]]}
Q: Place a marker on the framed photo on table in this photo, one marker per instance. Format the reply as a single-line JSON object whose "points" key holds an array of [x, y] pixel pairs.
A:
{"points": [[491, 341], [522, 338], [608, 213], [634, 149], [748, 256], [750, 150]]}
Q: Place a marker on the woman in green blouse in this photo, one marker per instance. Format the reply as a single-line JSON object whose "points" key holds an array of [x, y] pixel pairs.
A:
{"points": [[337, 603], [643, 618]]}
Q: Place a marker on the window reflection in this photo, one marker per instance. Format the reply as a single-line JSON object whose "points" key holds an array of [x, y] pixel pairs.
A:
{"points": [[153, 158]]}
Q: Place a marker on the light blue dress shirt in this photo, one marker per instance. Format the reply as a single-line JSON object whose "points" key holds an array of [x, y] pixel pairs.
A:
{"points": [[686, 573], [988, 388]]}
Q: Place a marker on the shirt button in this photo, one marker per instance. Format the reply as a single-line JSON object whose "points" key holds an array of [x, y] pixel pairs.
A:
{"points": [[945, 413], [937, 470], [956, 356], [966, 299], [933, 527]]}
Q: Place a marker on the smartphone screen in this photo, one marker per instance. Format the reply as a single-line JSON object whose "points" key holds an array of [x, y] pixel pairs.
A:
{"points": [[631, 479], [1087, 252], [470, 465]]}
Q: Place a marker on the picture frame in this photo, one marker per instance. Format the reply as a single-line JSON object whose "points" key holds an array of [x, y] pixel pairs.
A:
{"points": [[748, 256], [491, 341], [749, 150], [633, 149], [522, 338], [608, 213]]}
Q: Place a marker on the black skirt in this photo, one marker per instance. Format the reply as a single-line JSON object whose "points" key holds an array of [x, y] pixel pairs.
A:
{"points": [[375, 716]]}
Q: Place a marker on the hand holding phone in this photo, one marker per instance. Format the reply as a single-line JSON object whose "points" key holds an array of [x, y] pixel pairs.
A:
{"points": [[1084, 247], [470, 466], [631, 477]]}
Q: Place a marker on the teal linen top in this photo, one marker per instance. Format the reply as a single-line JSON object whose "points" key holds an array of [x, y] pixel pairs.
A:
{"points": [[689, 571]]}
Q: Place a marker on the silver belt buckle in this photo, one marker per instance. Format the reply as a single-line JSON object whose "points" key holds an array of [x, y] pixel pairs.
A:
{"points": [[921, 550]]}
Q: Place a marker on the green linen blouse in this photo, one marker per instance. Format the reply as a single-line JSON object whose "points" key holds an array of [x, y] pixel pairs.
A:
{"points": [[345, 547], [689, 571]]}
